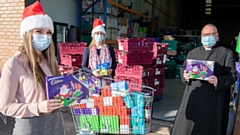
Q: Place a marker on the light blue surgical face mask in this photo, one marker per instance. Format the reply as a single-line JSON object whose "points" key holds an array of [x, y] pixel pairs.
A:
{"points": [[98, 37], [208, 40], [41, 42]]}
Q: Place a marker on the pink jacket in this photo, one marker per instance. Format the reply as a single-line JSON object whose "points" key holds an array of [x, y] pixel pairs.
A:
{"points": [[19, 97]]}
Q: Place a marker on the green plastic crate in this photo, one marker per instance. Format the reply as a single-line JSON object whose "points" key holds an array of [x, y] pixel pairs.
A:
{"points": [[171, 42], [172, 48], [171, 62], [86, 38], [86, 27], [177, 71], [187, 47], [181, 56]]}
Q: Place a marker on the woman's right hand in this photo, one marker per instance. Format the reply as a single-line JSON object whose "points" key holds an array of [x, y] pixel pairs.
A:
{"points": [[186, 75], [47, 106], [95, 73]]}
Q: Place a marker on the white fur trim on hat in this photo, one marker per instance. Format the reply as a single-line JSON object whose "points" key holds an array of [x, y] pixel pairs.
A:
{"points": [[98, 28], [35, 21]]}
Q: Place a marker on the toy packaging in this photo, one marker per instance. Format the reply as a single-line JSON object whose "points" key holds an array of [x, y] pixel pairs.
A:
{"points": [[103, 68], [66, 88], [199, 69], [94, 85]]}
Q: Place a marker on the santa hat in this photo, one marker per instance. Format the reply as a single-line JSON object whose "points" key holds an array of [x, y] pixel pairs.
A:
{"points": [[34, 17], [98, 26]]}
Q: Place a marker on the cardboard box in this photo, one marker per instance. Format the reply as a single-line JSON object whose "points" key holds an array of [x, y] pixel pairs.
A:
{"points": [[169, 52], [123, 21], [199, 69]]}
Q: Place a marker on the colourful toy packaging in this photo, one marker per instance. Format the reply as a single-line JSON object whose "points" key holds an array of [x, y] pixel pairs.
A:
{"points": [[103, 68], [94, 86], [66, 88], [198, 69]]}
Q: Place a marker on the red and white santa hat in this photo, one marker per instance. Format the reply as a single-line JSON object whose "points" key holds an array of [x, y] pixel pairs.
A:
{"points": [[98, 26], [34, 17]]}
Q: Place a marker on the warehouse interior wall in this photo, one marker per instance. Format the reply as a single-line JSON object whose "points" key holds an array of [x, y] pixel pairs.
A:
{"points": [[63, 11]]}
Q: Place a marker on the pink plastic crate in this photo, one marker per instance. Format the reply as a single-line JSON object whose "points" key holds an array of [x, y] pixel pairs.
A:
{"points": [[72, 47], [131, 71], [135, 58], [135, 44], [159, 48], [134, 84], [71, 59], [160, 60]]}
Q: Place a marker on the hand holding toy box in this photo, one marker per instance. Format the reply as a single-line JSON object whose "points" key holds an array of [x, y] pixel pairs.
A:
{"points": [[199, 69], [103, 68]]}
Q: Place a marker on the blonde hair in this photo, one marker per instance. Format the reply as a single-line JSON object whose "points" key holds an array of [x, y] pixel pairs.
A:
{"points": [[33, 58], [93, 41]]}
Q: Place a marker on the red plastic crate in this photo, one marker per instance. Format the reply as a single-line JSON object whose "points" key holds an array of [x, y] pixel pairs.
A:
{"points": [[135, 44], [116, 54], [71, 59], [159, 71], [153, 81], [159, 90], [72, 47], [134, 84], [135, 58], [160, 60], [131, 71], [65, 70], [159, 48]]}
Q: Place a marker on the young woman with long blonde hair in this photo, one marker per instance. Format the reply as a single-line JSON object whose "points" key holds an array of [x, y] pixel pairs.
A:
{"points": [[98, 52], [22, 84]]}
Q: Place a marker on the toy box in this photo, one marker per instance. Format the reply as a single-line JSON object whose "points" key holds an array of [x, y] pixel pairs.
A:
{"points": [[66, 88], [199, 69]]}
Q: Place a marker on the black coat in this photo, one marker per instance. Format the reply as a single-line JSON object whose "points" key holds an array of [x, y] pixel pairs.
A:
{"points": [[204, 108]]}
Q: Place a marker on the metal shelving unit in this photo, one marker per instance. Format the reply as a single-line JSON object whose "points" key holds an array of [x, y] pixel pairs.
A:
{"points": [[105, 14]]}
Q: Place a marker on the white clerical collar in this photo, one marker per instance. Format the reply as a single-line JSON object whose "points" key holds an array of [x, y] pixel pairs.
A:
{"points": [[207, 48]]}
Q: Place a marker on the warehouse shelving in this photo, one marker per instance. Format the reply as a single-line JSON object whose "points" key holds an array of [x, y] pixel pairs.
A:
{"points": [[105, 14]]}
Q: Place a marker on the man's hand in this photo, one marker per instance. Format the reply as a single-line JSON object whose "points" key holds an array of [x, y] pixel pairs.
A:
{"points": [[213, 80], [186, 75]]}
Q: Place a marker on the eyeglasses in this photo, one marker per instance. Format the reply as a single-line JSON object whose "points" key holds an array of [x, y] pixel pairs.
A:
{"points": [[209, 34]]}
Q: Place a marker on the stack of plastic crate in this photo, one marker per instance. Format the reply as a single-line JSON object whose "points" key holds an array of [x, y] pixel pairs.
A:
{"points": [[159, 62], [142, 61], [71, 53], [172, 55], [183, 50]]}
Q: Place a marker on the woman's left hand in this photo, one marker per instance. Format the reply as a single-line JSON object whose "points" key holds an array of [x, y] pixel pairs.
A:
{"points": [[109, 71]]}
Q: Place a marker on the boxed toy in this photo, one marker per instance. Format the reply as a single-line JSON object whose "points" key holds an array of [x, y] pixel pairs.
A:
{"points": [[66, 88], [199, 69], [94, 85], [103, 68]]}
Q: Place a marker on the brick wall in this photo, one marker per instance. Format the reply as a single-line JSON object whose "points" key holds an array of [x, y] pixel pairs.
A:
{"points": [[10, 18]]}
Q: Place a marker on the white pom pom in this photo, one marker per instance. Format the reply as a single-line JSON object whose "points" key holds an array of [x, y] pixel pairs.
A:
{"points": [[103, 24]]}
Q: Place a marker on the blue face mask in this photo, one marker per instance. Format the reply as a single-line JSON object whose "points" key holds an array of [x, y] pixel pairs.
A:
{"points": [[98, 37], [41, 42], [208, 40]]}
